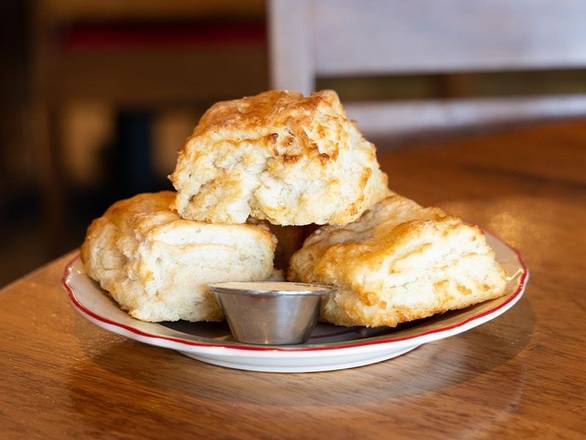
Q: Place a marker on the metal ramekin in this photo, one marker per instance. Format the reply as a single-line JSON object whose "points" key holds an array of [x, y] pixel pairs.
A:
{"points": [[270, 312]]}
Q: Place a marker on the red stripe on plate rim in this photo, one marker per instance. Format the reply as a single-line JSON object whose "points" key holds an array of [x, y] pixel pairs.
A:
{"points": [[236, 346]]}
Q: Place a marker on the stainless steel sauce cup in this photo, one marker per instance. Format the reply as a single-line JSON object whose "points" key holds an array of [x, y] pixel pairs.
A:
{"points": [[270, 312]]}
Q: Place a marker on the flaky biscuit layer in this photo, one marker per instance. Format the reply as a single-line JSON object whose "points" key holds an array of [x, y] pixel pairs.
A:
{"points": [[157, 266], [279, 156], [397, 263]]}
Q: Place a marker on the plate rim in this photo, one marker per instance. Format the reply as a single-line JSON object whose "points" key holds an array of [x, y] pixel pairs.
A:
{"points": [[238, 347]]}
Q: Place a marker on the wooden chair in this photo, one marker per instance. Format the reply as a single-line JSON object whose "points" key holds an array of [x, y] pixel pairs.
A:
{"points": [[311, 38]]}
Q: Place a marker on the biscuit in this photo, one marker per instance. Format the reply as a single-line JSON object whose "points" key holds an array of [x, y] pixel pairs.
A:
{"points": [[278, 156], [156, 265], [397, 263]]}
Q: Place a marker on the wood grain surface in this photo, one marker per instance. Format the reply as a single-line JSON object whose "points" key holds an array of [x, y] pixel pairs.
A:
{"points": [[522, 375]]}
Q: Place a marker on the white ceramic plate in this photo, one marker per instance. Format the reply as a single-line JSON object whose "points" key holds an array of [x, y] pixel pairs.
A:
{"points": [[329, 348]]}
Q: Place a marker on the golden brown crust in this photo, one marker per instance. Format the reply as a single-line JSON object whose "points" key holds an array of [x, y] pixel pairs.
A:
{"points": [[280, 156], [399, 262], [269, 111]]}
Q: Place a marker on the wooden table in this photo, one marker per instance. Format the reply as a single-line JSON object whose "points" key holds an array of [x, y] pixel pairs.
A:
{"points": [[522, 375]]}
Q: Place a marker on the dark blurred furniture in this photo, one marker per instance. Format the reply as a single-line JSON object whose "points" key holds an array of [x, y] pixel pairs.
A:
{"points": [[16, 154], [520, 376], [336, 38]]}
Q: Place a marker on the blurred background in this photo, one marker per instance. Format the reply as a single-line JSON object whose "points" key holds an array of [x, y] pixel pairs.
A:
{"points": [[98, 95]]}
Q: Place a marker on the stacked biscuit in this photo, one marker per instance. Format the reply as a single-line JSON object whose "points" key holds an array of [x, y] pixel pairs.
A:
{"points": [[267, 165]]}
